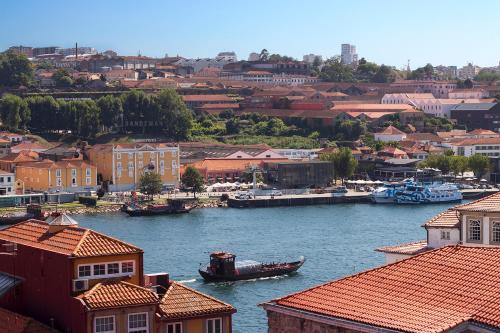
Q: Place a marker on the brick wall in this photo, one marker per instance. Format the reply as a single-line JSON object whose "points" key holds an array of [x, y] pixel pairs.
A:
{"points": [[281, 323]]}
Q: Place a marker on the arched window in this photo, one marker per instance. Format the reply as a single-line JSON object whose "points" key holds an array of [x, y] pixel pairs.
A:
{"points": [[474, 230], [495, 232]]}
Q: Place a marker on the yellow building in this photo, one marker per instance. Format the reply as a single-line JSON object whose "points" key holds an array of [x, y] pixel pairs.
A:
{"points": [[65, 175], [122, 165]]}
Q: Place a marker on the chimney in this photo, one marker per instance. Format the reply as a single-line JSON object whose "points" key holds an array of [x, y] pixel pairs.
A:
{"points": [[158, 282], [76, 51]]}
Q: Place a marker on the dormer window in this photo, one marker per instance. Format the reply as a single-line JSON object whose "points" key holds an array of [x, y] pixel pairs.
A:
{"points": [[84, 271]]}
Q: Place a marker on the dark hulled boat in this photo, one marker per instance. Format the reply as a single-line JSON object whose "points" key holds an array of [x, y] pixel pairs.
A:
{"points": [[224, 267], [172, 207]]}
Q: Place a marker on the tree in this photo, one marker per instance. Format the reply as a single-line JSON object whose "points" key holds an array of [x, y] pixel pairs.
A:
{"points": [[14, 111], [264, 55], [344, 164], [15, 70], [441, 162], [150, 183], [192, 179], [62, 78], [279, 58], [174, 115], [459, 164], [335, 71], [384, 75], [479, 164], [111, 110]]}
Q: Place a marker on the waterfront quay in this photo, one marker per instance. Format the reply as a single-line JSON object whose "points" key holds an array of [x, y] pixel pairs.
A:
{"points": [[325, 199]]}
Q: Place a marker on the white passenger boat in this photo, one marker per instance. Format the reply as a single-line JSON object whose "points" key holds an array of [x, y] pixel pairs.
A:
{"points": [[413, 194]]}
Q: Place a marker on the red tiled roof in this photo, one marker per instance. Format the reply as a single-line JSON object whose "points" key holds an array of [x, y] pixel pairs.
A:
{"points": [[220, 106], [28, 146], [481, 131], [369, 107], [239, 164], [428, 293], [62, 164], [183, 302], [476, 141], [391, 130], [423, 137], [117, 294], [489, 204], [22, 156], [407, 248], [11, 322], [206, 98], [447, 219], [71, 241]]}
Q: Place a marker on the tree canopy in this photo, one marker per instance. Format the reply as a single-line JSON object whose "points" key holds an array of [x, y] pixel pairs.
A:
{"points": [[15, 70], [344, 164], [150, 183], [479, 164], [192, 180]]}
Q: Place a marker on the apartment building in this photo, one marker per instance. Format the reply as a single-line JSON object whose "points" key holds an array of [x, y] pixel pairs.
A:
{"points": [[66, 175], [122, 165]]}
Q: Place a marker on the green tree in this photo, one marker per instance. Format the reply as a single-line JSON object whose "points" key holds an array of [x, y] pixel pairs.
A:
{"points": [[459, 164], [15, 70], [111, 110], [192, 179], [264, 55], [479, 164], [174, 115], [44, 111], [344, 164], [441, 162], [150, 183], [335, 71], [384, 74], [62, 78], [14, 111]]}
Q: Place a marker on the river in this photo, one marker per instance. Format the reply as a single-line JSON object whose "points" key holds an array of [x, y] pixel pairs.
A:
{"points": [[337, 240]]}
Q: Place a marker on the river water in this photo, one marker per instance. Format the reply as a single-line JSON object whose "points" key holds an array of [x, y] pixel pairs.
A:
{"points": [[337, 240]]}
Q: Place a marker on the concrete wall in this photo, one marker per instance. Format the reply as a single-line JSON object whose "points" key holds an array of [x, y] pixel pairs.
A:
{"points": [[434, 237]]}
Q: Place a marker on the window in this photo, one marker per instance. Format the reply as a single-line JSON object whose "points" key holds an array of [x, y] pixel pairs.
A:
{"points": [[1, 179], [104, 324], [58, 182], [214, 325], [474, 230], [138, 323], [100, 269], [84, 271], [162, 154], [495, 232], [88, 180], [140, 155], [445, 235], [58, 173], [118, 156], [88, 172], [130, 156], [114, 268], [128, 267], [174, 328], [73, 172]]}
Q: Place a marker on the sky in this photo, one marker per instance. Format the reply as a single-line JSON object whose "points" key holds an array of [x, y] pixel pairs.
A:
{"points": [[448, 32]]}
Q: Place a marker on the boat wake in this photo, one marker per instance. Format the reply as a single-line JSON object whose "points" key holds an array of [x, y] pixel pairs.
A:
{"points": [[187, 281]]}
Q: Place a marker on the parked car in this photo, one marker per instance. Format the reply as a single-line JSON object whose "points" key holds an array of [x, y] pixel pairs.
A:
{"points": [[276, 193]]}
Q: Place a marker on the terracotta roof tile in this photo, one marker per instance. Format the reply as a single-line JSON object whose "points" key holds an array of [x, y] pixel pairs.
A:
{"points": [[206, 98], [183, 302], [490, 204], [12, 322], [427, 293], [391, 130], [407, 248], [447, 219], [71, 241], [117, 294]]}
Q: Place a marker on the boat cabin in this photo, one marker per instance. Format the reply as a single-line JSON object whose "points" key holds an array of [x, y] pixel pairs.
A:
{"points": [[222, 263]]}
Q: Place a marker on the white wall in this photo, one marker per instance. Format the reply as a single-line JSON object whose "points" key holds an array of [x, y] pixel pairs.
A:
{"points": [[434, 237]]}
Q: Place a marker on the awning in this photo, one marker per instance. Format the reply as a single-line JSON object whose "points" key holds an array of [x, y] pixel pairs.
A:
{"points": [[8, 282]]}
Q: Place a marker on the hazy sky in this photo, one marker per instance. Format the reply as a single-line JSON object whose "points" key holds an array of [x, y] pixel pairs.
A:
{"points": [[384, 31]]}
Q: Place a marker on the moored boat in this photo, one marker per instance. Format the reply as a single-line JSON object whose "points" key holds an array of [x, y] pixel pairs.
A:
{"points": [[224, 267], [171, 207], [443, 193]]}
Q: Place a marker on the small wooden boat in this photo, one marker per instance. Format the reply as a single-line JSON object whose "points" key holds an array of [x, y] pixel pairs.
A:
{"points": [[224, 267], [172, 207]]}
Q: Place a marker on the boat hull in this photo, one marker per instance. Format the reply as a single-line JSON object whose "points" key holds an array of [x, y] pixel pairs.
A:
{"points": [[146, 212], [263, 273]]}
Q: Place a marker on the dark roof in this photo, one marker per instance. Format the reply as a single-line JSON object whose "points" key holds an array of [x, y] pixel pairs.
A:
{"points": [[473, 106]]}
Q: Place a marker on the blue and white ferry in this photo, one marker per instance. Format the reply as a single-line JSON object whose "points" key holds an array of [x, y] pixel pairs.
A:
{"points": [[419, 194], [387, 193]]}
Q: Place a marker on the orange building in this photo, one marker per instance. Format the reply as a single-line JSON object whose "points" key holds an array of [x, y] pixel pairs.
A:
{"points": [[122, 165], [66, 175], [9, 162]]}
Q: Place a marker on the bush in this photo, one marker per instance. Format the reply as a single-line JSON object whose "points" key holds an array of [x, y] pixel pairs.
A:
{"points": [[224, 197], [88, 201]]}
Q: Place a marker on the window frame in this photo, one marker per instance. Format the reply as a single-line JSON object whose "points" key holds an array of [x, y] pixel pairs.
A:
{"points": [[492, 231], [106, 264], [213, 320], [102, 317], [173, 325], [137, 329], [469, 239]]}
